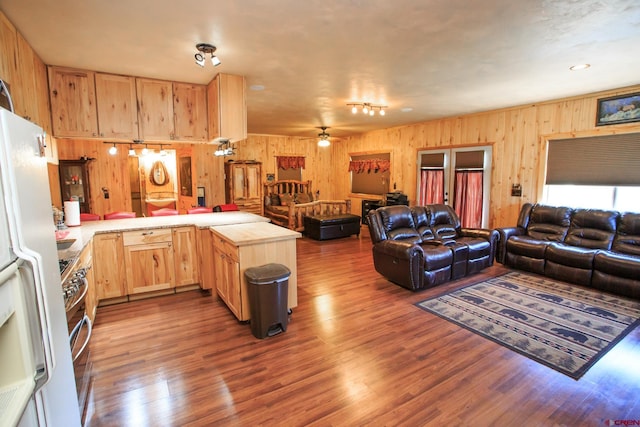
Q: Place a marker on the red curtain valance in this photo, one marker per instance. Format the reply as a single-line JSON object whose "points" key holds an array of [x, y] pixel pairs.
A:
{"points": [[290, 162], [375, 165]]}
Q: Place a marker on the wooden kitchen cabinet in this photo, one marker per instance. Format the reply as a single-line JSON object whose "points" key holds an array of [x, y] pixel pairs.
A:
{"points": [[243, 185], [185, 254], [148, 260], [241, 246], [190, 111], [155, 109], [108, 265], [73, 102], [226, 102], [117, 106]]}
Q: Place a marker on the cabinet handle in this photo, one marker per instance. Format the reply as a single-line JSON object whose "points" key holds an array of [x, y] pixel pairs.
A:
{"points": [[147, 233]]}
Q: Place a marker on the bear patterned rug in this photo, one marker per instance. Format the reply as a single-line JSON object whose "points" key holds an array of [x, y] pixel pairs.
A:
{"points": [[566, 327]]}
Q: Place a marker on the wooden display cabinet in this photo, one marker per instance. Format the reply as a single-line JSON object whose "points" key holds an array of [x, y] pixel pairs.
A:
{"points": [[243, 185], [74, 182]]}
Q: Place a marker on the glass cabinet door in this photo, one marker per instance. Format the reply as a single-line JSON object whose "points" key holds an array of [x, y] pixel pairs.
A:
{"points": [[74, 182]]}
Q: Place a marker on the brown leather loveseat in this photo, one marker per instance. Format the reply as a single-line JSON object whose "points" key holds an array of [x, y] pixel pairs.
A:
{"points": [[424, 246], [595, 248]]}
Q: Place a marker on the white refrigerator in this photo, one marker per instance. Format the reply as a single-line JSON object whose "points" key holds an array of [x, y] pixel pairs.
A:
{"points": [[37, 385]]}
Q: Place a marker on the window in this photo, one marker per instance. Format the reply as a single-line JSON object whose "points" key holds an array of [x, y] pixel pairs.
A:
{"points": [[600, 172], [373, 177]]}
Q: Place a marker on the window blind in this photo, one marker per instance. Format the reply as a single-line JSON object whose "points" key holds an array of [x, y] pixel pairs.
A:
{"points": [[599, 160]]}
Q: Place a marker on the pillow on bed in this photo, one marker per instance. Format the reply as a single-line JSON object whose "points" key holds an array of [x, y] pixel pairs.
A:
{"points": [[302, 198], [285, 199], [275, 199]]}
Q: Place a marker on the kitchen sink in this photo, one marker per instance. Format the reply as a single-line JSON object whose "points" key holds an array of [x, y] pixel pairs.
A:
{"points": [[64, 243]]}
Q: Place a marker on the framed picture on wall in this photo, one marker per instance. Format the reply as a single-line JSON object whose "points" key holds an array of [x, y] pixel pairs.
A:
{"points": [[618, 109]]}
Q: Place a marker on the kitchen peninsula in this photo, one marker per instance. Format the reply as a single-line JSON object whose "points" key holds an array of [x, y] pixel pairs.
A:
{"points": [[143, 257]]}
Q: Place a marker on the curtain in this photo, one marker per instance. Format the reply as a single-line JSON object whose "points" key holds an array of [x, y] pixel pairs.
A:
{"points": [[290, 162], [468, 198], [431, 187], [369, 165]]}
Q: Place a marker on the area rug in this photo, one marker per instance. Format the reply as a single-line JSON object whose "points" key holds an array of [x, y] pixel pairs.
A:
{"points": [[566, 327]]}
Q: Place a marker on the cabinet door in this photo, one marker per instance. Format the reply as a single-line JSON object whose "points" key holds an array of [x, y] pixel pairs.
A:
{"points": [[227, 107], [253, 182], [73, 102], [190, 111], [155, 109], [227, 275], [149, 267], [108, 266], [117, 108], [206, 259], [238, 184], [185, 256]]}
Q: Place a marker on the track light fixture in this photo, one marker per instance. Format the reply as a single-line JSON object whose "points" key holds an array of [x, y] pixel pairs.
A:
{"points": [[224, 147], [113, 150], [367, 108], [203, 50], [324, 137]]}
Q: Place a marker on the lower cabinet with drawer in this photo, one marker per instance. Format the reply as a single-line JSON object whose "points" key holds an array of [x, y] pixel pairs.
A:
{"points": [[148, 260]]}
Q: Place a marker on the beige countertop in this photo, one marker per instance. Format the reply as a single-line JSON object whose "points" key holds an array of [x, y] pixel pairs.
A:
{"points": [[257, 232], [84, 233]]}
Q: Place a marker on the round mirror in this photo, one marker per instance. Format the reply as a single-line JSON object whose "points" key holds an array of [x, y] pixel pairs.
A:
{"points": [[159, 175]]}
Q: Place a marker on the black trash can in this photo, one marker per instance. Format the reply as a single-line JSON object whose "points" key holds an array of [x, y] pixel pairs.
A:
{"points": [[268, 287]]}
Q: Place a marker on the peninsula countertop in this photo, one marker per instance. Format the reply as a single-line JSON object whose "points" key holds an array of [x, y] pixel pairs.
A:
{"points": [[83, 234]]}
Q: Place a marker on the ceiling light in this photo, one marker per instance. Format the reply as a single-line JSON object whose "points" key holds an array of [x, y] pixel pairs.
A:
{"points": [[145, 150], [203, 50], [132, 152], [579, 67], [113, 150], [367, 108], [224, 147], [324, 137]]}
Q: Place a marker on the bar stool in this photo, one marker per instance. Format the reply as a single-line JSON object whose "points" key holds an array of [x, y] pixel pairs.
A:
{"points": [[229, 207], [164, 212], [199, 210], [119, 215], [84, 217]]}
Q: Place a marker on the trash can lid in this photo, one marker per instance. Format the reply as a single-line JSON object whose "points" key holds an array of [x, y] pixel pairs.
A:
{"points": [[267, 273]]}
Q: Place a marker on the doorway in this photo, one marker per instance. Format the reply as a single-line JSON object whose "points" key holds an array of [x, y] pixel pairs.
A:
{"points": [[460, 178]]}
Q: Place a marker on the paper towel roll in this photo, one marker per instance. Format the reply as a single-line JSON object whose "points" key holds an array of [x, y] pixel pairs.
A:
{"points": [[72, 213]]}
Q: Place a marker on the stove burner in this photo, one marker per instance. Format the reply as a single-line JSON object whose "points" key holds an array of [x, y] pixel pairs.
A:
{"points": [[64, 263]]}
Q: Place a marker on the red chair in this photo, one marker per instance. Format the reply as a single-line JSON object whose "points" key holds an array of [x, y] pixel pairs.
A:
{"points": [[119, 215], [164, 212], [229, 207], [84, 217], [199, 210]]}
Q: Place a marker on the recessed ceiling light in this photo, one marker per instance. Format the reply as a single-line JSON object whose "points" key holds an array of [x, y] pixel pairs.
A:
{"points": [[579, 67], [256, 87], [406, 109]]}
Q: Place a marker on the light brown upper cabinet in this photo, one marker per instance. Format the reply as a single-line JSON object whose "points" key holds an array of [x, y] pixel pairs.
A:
{"points": [[155, 109], [226, 99], [190, 111], [117, 109], [73, 102]]}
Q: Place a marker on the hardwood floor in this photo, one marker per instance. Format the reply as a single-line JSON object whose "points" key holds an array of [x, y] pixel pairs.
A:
{"points": [[356, 352]]}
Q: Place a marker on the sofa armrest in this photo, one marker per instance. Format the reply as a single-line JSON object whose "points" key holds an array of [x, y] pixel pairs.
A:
{"points": [[400, 262], [503, 235]]}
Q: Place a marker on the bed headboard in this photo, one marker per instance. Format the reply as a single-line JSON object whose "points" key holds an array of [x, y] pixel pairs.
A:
{"points": [[287, 186]]}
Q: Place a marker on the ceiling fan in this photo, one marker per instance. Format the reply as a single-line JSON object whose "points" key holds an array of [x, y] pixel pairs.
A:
{"points": [[324, 137]]}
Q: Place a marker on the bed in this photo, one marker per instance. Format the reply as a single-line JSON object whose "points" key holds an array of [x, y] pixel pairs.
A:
{"points": [[287, 202]]}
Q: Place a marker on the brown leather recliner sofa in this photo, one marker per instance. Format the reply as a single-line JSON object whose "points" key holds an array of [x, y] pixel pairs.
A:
{"points": [[594, 248], [424, 246]]}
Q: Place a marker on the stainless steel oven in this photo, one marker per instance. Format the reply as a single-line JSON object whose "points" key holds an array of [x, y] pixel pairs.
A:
{"points": [[75, 289]]}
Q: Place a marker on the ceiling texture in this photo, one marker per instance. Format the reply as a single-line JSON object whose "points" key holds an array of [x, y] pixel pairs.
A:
{"points": [[423, 59]]}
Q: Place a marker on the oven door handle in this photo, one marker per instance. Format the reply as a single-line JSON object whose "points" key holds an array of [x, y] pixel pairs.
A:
{"points": [[76, 330], [80, 299]]}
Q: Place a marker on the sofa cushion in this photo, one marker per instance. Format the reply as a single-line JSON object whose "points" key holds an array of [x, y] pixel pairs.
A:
{"points": [[436, 257], [285, 199], [422, 222], [301, 198], [444, 222], [549, 223], [527, 246], [478, 248], [627, 239], [572, 256], [397, 223], [275, 199], [617, 264], [592, 228]]}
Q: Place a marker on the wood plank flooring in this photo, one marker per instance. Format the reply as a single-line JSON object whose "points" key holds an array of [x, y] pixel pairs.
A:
{"points": [[356, 352]]}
